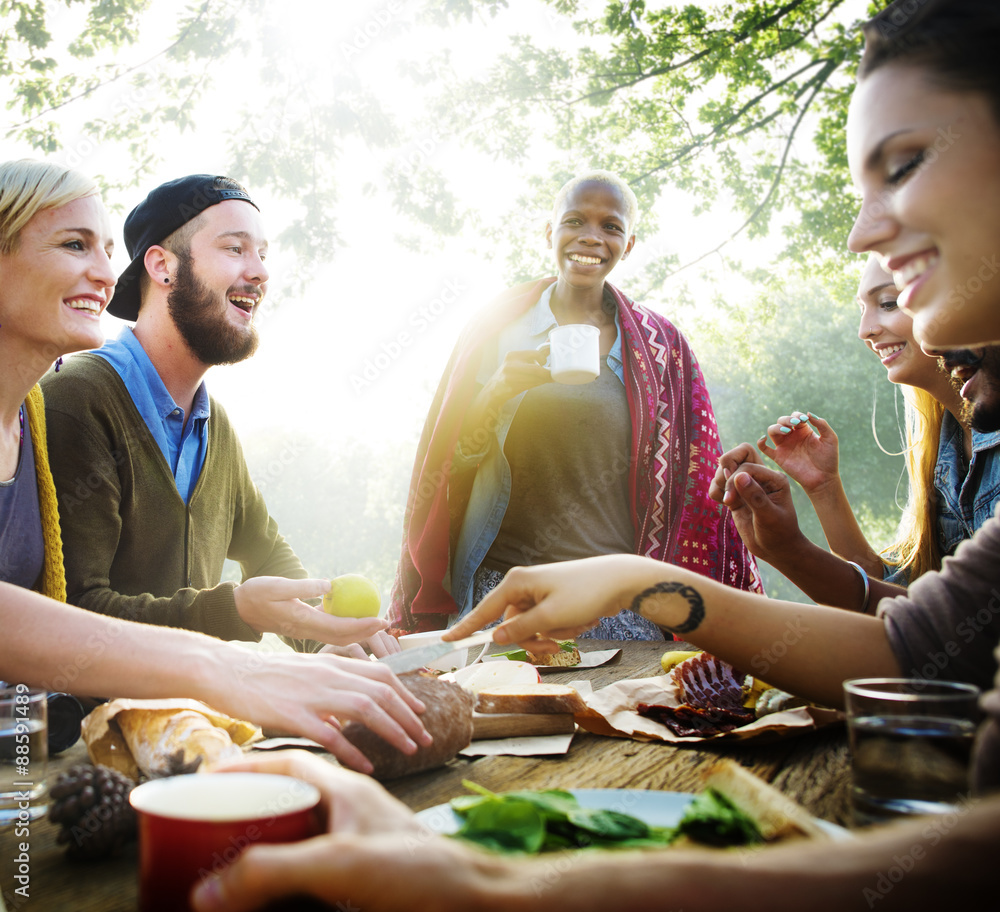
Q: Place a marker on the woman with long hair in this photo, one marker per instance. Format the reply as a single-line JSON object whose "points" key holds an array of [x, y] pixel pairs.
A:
{"points": [[951, 466]]}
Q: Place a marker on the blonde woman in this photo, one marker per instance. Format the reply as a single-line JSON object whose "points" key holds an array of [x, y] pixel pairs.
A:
{"points": [[953, 469]]}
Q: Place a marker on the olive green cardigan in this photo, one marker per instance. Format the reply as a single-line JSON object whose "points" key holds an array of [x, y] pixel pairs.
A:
{"points": [[133, 548]]}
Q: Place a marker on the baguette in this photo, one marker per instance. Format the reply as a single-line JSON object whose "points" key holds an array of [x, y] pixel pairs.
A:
{"points": [[448, 718], [530, 698]]}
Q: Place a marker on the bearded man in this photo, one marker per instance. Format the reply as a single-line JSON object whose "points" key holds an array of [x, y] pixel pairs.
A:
{"points": [[154, 491], [968, 476]]}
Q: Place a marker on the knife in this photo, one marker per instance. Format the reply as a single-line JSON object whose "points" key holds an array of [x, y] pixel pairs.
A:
{"points": [[411, 659]]}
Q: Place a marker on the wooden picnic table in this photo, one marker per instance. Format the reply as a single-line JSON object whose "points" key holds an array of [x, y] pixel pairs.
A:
{"points": [[811, 767]]}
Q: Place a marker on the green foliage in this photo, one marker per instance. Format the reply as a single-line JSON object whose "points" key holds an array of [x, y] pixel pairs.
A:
{"points": [[717, 101], [286, 136]]}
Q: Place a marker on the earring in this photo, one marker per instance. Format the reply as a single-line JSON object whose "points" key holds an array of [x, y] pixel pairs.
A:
{"points": [[166, 281], [59, 362]]}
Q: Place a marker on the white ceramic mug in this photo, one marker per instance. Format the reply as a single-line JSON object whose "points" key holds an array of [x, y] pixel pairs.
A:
{"points": [[575, 353]]}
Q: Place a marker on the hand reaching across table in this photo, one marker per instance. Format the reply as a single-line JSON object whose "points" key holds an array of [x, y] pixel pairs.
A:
{"points": [[377, 857], [307, 695]]}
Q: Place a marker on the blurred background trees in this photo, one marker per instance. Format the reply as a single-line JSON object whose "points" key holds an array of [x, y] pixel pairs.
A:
{"points": [[397, 133]]}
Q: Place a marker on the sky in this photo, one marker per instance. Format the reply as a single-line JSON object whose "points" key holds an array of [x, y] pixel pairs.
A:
{"points": [[360, 350]]}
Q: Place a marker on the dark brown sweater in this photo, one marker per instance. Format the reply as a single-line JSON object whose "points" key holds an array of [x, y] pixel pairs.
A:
{"points": [[133, 548]]}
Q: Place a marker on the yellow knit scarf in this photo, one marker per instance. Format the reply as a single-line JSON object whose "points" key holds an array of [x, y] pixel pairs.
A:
{"points": [[53, 582]]}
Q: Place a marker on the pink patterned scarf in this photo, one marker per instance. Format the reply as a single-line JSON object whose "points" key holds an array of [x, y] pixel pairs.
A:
{"points": [[675, 446]]}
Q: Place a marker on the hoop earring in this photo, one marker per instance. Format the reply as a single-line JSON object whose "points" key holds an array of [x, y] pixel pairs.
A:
{"points": [[902, 437]]}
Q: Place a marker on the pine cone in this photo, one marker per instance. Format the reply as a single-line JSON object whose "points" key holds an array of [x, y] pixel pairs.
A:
{"points": [[91, 805]]}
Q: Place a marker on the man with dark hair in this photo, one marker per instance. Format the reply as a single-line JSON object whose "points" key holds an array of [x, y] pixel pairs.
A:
{"points": [[154, 491], [968, 482]]}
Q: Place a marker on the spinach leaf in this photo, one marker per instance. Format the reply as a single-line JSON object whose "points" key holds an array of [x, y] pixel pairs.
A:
{"points": [[713, 819], [548, 820]]}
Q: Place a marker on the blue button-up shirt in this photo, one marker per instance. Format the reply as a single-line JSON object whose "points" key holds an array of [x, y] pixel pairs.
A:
{"points": [[184, 444], [491, 488]]}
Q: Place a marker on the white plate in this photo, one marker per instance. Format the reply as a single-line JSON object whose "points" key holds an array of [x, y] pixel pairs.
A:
{"points": [[655, 808], [587, 660]]}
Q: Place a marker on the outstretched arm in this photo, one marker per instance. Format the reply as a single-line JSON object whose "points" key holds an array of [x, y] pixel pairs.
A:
{"points": [[804, 649], [371, 833], [62, 648]]}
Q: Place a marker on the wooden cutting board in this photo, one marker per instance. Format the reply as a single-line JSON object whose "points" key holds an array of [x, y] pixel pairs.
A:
{"points": [[517, 725]]}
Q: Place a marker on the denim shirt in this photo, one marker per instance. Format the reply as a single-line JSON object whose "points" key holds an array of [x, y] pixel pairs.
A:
{"points": [[965, 498], [491, 488], [183, 444]]}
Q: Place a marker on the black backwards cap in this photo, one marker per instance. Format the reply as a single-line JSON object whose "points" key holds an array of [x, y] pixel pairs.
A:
{"points": [[167, 208]]}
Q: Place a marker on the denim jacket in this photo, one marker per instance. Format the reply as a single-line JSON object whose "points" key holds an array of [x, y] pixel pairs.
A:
{"points": [[491, 488], [965, 499]]}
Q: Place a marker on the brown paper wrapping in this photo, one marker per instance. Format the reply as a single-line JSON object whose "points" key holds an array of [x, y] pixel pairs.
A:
{"points": [[157, 737], [612, 711]]}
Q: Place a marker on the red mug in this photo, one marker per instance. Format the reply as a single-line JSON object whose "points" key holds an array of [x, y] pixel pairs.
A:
{"points": [[195, 825]]}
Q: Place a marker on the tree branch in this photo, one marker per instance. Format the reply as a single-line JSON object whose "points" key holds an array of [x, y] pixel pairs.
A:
{"points": [[820, 80], [121, 75], [738, 38]]}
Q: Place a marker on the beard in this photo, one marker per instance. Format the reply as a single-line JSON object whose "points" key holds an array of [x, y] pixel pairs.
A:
{"points": [[983, 413], [194, 308]]}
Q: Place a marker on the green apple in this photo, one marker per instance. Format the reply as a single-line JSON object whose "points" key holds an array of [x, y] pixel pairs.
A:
{"points": [[352, 595]]}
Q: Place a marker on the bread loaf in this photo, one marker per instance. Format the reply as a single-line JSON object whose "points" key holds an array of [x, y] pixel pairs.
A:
{"points": [[448, 718]]}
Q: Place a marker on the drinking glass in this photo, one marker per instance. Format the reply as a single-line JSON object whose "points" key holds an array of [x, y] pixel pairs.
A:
{"points": [[911, 743], [23, 753]]}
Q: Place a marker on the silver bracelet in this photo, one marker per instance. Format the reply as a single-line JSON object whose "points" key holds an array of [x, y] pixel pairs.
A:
{"points": [[864, 579]]}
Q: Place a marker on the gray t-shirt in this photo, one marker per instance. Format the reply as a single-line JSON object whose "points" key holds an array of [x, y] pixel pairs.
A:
{"points": [[568, 449], [22, 548]]}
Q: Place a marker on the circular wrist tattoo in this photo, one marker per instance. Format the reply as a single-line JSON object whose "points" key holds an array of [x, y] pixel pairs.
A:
{"points": [[665, 593]]}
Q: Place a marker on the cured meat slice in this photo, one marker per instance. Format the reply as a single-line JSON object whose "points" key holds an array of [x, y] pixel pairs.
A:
{"points": [[685, 721], [713, 699], [709, 683]]}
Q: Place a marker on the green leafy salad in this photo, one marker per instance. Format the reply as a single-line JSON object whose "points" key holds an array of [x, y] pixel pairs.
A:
{"points": [[551, 819]]}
